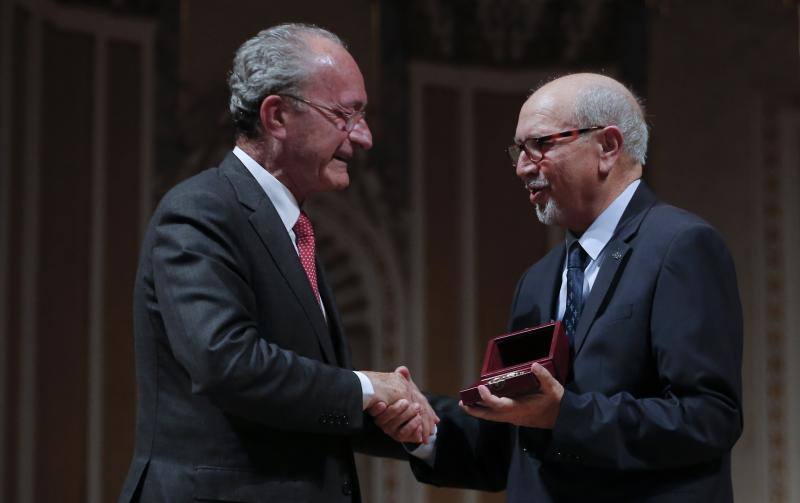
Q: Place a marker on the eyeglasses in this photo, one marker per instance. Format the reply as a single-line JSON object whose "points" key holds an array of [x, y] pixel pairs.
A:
{"points": [[534, 147], [346, 120]]}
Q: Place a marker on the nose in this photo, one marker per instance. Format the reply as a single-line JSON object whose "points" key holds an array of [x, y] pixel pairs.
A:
{"points": [[525, 168], [361, 135]]}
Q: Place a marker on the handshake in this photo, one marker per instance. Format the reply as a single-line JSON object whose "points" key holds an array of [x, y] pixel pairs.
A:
{"points": [[399, 408]]}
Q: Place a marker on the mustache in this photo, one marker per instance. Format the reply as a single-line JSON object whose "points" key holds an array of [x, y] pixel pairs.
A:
{"points": [[536, 184]]}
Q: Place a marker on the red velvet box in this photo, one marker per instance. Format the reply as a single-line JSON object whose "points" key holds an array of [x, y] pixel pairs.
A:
{"points": [[507, 363]]}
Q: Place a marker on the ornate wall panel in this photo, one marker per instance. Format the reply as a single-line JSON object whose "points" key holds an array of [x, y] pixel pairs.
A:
{"points": [[363, 269], [736, 182], [778, 300], [119, 238], [473, 231], [15, 26], [62, 303], [77, 121]]}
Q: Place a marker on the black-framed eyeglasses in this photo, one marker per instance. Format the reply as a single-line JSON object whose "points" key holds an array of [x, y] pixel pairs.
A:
{"points": [[534, 147], [347, 120]]}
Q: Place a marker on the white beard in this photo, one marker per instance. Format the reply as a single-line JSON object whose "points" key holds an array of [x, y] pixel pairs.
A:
{"points": [[550, 214]]}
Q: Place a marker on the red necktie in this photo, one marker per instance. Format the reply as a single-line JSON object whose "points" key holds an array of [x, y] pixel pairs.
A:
{"points": [[304, 232]]}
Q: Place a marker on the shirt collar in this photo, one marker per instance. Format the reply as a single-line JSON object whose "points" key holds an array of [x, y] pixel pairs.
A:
{"points": [[599, 233], [281, 197]]}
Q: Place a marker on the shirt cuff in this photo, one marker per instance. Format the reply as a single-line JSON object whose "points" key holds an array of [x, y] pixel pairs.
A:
{"points": [[425, 452], [367, 391]]}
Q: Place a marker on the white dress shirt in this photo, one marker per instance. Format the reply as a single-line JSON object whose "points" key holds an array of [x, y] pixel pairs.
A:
{"points": [[594, 242], [289, 211]]}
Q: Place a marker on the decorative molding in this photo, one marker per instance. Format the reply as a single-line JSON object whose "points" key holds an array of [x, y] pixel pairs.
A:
{"points": [[508, 26], [94, 433], [26, 455], [148, 138], [529, 32], [788, 120], [441, 22], [465, 81], [778, 238], [581, 24], [360, 257], [469, 245], [101, 22], [6, 30], [417, 294], [775, 325], [104, 27], [755, 414]]}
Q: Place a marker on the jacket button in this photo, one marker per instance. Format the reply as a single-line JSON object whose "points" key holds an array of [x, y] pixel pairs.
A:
{"points": [[347, 488]]}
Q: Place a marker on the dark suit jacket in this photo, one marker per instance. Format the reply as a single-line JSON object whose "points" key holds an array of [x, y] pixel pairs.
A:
{"points": [[244, 392], [653, 407]]}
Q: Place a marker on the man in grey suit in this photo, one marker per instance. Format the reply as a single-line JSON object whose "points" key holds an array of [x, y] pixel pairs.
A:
{"points": [[245, 387], [648, 295]]}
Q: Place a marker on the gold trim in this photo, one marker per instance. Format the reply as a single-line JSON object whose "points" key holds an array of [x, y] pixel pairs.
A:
{"points": [[774, 313]]}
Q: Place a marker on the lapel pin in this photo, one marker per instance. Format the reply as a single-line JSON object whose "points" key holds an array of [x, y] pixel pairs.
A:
{"points": [[617, 255]]}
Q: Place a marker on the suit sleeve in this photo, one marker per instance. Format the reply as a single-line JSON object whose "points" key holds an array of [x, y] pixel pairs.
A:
{"points": [[470, 453], [209, 311], [696, 345], [374, 442]]}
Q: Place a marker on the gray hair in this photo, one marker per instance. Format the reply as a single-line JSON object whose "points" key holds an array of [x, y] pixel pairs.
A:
{"points": [[601, 105], [272, 62]]}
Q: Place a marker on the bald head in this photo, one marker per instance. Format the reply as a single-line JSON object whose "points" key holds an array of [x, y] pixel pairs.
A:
{"points": [[590, 99], [577, 81]]}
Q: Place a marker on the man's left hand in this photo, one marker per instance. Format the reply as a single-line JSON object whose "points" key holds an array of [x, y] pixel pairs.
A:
{"points": [[539, 410]]}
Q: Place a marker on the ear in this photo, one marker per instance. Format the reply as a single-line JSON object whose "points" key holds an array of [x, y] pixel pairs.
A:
{"points": [[272, 115], [610, 140]]}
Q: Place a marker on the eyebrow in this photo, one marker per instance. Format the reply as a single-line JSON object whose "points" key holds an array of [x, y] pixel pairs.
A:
{"points": [[357, 106], [529, 137]]}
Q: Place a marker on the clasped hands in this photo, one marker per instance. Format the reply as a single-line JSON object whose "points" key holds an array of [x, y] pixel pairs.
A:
{"points": [[399, 408], [409, 418]]}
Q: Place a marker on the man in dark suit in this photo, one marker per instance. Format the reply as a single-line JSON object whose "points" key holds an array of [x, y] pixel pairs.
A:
{"points": [[245, 392], [648, 295]]}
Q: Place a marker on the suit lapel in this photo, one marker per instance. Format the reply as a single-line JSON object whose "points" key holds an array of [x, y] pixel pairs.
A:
{"points": [[616, 252], [269, 227], [616, 255], [549, 297], [334, 320]]}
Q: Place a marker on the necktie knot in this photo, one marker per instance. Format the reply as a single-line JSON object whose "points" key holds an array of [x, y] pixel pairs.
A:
{"points": [[577, 257], [303, 228]]}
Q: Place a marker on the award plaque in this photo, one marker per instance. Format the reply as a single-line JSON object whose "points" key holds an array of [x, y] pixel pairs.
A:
{"points": [[507, 362]]}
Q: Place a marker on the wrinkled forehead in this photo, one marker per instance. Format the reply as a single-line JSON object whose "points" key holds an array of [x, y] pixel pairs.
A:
{"points": [[544, 113], [335, 76]]}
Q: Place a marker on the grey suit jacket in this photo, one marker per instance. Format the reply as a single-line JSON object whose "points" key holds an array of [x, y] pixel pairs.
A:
{"points": [[653, 406], [244, 388]]}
